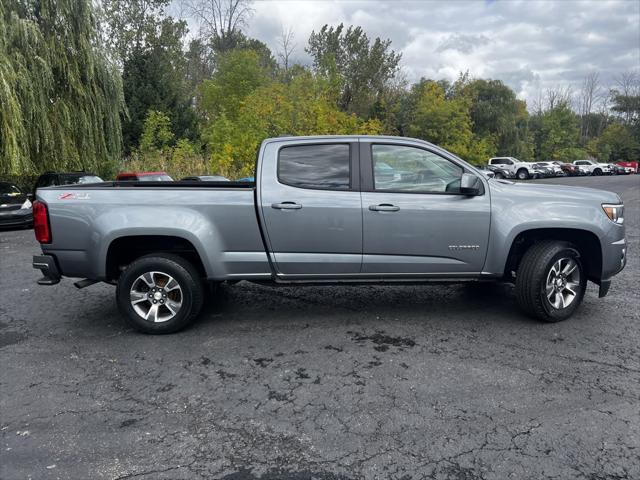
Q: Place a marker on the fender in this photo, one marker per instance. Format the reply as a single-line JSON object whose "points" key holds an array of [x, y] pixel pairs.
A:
{"points": [[181, 222]]}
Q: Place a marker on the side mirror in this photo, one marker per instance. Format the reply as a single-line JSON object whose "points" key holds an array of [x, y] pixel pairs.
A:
{"points": [[470, 184]]}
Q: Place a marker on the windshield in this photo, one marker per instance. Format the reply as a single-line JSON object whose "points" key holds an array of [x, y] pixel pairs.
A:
{"points": [[155, 178], [9, 190]]}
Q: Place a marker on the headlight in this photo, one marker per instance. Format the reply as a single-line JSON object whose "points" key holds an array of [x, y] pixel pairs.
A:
{"points": [[614, 212], [26, 205]]}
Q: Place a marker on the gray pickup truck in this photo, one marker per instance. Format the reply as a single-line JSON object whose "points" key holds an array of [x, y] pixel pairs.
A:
{"points": [[330, 209]]}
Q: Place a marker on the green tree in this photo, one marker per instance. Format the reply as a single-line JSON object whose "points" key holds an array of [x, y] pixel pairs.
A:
{"points": [[199, 63], [558, 134], [148, 44], [627, 107], [361, 68], [61, 98], [617, 143], [239, 73], [302, 106], [156, 134], [130, 24], [154, 78], [495, 111], [446, 122]]}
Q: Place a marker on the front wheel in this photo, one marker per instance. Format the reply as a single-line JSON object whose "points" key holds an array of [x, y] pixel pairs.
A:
{"points": [[522, 174], [550, 281], [159, 293], [597, 172]]}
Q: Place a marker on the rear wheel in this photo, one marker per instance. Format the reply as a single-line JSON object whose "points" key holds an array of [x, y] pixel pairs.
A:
{"points": [[551, 281], [498, 175], [523, 174], [159, 293]]}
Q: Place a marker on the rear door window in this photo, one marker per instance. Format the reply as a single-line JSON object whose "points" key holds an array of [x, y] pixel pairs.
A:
{"points": [[325, 167]]}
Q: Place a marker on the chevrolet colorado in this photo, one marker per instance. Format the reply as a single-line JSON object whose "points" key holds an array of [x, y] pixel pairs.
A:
{"points": [[330, 209]]}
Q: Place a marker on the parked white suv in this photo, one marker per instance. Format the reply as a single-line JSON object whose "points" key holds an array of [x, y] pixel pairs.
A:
{"points": [[520, 170], [593, 168]]}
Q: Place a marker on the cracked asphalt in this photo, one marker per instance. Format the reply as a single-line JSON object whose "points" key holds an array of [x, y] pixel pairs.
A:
{"points": [[328, 383]]}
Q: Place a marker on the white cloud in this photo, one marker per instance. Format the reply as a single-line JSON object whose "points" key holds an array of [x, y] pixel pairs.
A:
{"points": [[528, 44]]}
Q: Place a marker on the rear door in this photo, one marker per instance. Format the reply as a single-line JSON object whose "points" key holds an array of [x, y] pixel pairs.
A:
{"points": [[311, 208], [415, 221]]}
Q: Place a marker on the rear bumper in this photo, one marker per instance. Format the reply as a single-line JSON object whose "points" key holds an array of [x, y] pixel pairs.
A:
{"points": [[47, 265]]}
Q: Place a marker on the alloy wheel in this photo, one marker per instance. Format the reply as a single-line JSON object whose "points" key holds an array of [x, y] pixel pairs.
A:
{"points": [[156, 296], [563, 283]]}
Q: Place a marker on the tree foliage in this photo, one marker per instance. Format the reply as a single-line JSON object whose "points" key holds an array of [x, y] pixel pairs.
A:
{"points": [[61, 98], [558, 134], [360, 68], [73, 94], [616, 143], [302, 106], [148, 44], [446, 122], [239, 72], [496, 112], [154, 78]]}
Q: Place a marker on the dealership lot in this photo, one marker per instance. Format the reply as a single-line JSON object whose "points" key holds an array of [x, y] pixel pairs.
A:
{"points": [[321, 382]]}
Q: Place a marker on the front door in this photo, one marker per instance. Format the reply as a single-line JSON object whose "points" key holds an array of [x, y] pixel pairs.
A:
{"points": [[415, 220], [311, 208]]}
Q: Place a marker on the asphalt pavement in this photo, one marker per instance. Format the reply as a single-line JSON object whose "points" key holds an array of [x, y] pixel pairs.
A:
{"points": [[399, 382]]}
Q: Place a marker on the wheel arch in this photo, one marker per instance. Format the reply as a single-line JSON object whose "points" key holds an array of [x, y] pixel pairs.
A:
{"points": [[124, 249], [586, 243]]}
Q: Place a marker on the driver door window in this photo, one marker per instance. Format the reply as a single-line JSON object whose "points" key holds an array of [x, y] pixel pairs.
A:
{"points": [[398, 168]]}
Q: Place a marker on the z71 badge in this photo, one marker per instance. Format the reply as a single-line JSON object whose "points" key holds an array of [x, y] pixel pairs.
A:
{"points": [[74, 196]]}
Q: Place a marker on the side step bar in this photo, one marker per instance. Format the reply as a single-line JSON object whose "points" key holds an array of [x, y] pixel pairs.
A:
{"points": [[85, 283]]}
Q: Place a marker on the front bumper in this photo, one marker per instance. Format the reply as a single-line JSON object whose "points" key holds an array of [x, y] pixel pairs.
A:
{"points": [[47, 265], [16, 218]]}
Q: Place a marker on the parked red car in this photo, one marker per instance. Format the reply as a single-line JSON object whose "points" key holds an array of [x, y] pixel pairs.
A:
{"points": [[143, 177], [630, 167], [568, 168]]}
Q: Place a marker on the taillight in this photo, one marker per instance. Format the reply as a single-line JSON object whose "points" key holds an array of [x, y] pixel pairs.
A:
{"points": [[41, 222]]}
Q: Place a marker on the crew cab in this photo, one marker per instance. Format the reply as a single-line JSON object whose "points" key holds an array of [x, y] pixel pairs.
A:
{"points": [[518, 169], [322, 210], [593, 168]]}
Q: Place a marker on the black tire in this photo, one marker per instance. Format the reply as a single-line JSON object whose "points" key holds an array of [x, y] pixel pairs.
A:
{"points": [[597, 172], [190, 292], [533, 273], [522, 174], [498, 176]]}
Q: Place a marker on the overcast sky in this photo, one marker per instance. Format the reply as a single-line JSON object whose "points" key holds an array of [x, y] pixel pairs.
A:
{"points": [[530, 45]]}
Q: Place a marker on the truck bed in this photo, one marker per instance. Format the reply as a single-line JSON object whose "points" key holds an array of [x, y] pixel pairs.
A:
{"points": [[179, 184], [217, 218]]}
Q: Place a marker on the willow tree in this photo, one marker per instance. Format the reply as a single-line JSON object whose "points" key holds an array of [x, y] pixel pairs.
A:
{"points": [[60, 99]]}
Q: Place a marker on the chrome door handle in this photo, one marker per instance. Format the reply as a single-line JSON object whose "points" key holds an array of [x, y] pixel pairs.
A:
{"points": [[286, 206], [384, 207]]}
